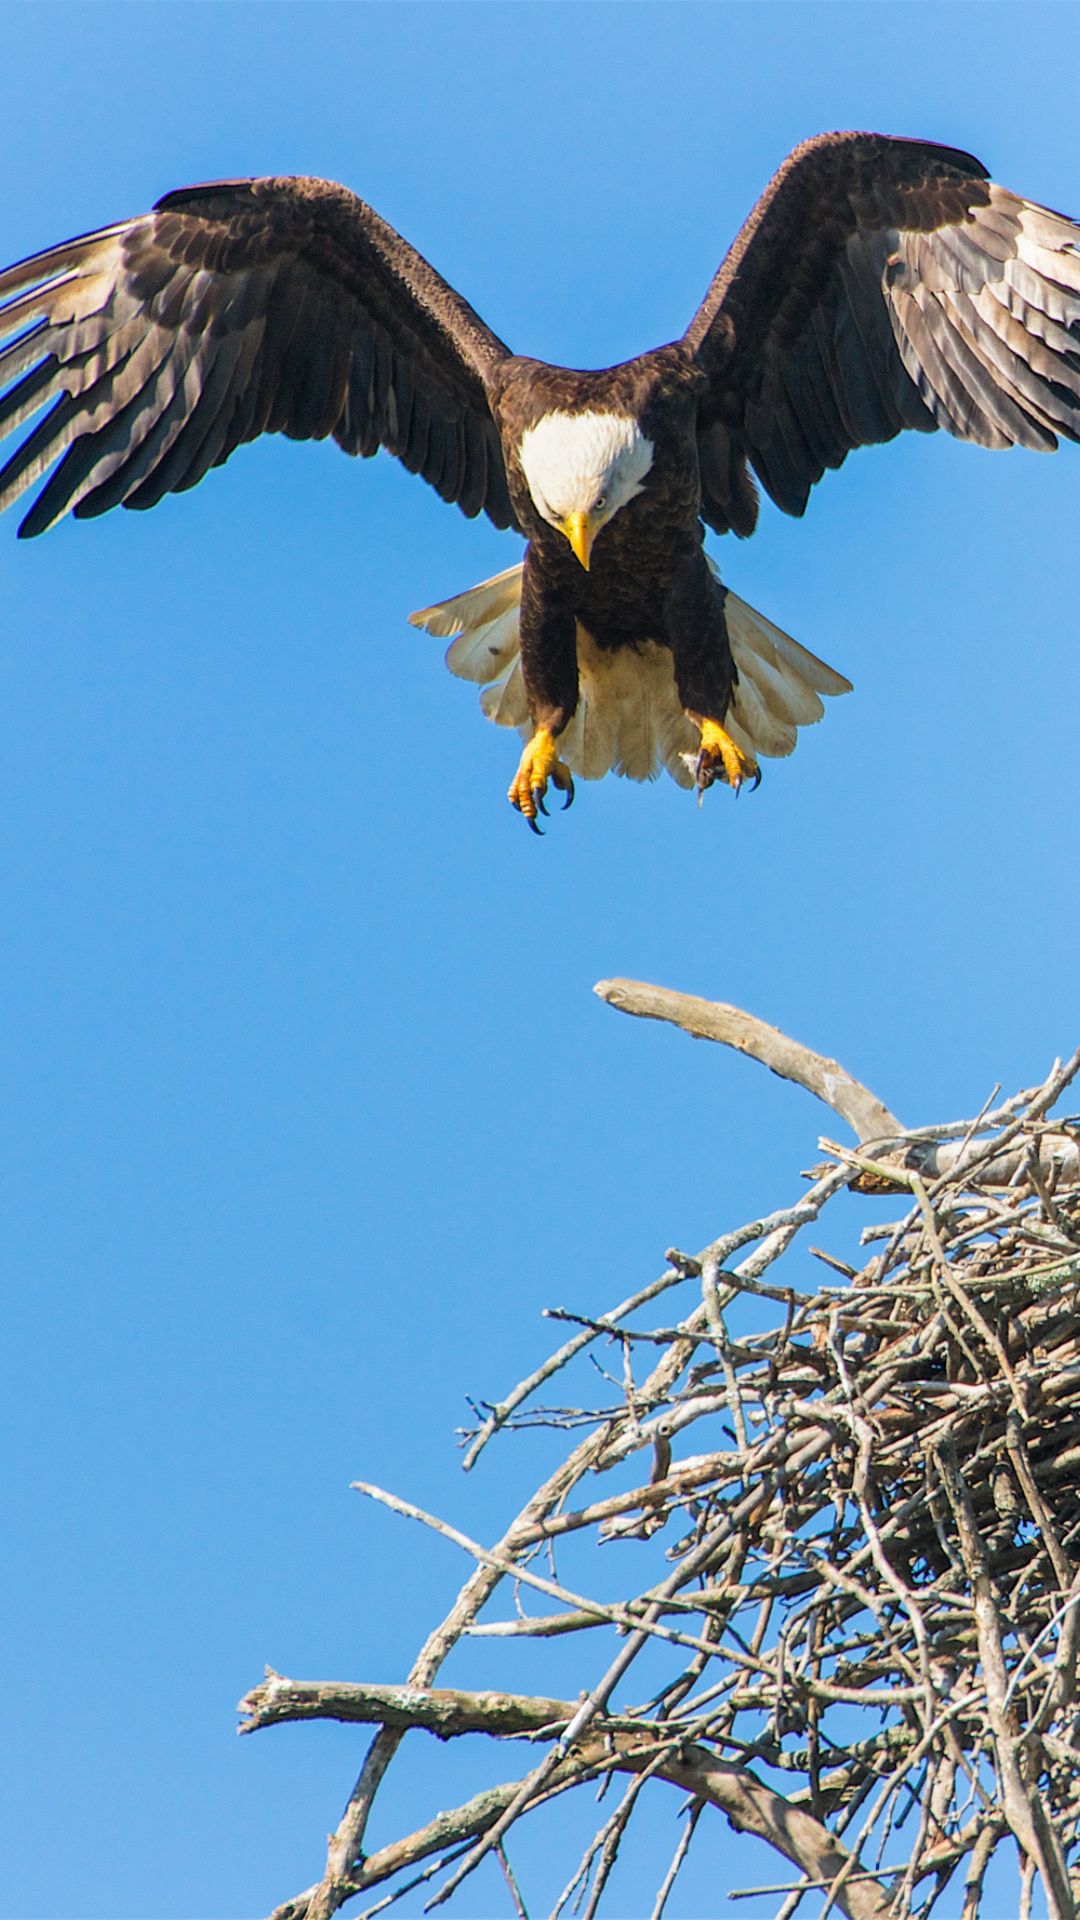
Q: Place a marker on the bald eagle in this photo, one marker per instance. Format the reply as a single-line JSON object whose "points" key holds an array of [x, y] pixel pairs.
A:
{"points": [[878, 284]]}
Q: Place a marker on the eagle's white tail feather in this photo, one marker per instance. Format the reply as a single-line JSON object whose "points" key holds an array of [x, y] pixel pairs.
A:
{"points": [[472, 609], [485, 619], [626, 719], [772, 733], [776, 649], [629, 717], [505, 701]]}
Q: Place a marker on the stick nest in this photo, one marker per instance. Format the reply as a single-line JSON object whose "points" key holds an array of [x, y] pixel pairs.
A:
{"points": [[857, 1488]]}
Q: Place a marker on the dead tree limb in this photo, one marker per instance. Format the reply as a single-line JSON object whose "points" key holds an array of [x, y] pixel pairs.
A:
{"points": [[865, 1114], [933, 1153]]}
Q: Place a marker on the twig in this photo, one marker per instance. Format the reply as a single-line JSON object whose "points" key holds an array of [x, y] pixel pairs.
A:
{"points": [[1022, 1809]]}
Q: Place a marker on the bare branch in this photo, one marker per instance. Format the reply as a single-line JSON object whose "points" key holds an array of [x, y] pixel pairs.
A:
{"points": [[865, 1114], [1022, 1806]]}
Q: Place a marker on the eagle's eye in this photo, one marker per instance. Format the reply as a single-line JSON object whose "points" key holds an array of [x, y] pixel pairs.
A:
{"points": [[600, 503]]}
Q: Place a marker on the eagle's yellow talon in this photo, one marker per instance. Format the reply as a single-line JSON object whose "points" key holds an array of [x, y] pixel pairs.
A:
{"points": [[720, 758], [539, 764]]}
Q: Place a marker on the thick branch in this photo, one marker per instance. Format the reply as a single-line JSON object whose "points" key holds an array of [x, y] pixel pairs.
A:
{"points": [[445, 1711], [750, 1805], [1057, 1153], [865, 1114]]}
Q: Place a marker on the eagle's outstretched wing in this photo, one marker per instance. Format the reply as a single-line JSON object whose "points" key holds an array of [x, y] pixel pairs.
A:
{"points": [[881, 284], [234, 309]]}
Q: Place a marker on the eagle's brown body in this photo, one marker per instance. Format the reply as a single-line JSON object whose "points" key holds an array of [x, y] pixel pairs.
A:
{"points": [[648, 579], [878, 284]]}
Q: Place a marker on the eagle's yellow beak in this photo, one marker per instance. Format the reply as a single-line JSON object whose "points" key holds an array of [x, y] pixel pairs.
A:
{"points": [[580, 530]]}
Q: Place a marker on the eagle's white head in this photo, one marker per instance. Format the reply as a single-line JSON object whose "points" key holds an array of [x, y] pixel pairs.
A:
{"points": [[581, 468]]}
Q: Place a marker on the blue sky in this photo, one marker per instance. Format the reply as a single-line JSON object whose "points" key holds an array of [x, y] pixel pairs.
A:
{"points": [[308, 1108]]}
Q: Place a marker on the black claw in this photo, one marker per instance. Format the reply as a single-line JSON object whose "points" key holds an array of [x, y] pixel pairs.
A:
{"points": [[538, 796], [757, 780], [569, 801], [539, 831]]}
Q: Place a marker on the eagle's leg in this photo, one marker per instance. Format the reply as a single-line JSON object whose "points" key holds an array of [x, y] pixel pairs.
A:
{"points": [[548, 631], [705, 672], [720, 758], [538, 764]]}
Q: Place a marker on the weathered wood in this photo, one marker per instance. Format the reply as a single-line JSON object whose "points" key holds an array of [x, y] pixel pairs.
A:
{"points": [[864, 1519]]}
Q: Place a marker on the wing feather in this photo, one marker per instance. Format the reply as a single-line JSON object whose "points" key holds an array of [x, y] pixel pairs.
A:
{"points": [[144, 444], [883, 284], [93, 456], [156, 346]]}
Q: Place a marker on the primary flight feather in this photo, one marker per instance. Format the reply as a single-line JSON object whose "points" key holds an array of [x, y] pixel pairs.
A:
{"points": [[878, 284]]}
